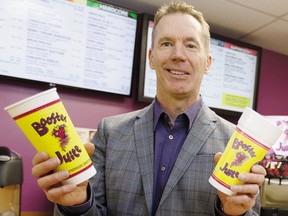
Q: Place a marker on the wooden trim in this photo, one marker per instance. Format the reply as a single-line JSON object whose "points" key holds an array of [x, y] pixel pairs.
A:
{"points": [[36, 213]]}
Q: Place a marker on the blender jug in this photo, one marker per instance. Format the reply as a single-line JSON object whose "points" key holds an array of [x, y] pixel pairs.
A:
{"points": [[11, 178]]}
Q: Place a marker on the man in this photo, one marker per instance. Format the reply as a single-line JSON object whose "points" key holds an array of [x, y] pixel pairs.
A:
{"points": [[157, 161]]}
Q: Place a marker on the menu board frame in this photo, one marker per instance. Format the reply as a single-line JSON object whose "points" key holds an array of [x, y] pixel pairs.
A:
{"points": [[63, 59]]}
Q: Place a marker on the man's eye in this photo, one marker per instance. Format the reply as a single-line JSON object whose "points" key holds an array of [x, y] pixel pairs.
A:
{"points": [[191, 46], [166, 44]]}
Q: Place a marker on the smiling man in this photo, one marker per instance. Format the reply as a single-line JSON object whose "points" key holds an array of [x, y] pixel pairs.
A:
{"points": [[180, 56], [157, 161]]}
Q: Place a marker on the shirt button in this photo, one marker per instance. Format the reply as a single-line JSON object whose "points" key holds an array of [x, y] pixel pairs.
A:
{"points": [[163, 168], [170, 137]]}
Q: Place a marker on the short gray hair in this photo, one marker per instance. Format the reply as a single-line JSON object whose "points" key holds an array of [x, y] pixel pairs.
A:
{"points": [[182, 7]]}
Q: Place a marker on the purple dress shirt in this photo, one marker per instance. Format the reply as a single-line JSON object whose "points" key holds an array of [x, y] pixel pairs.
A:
{"points": [[168, 141]]}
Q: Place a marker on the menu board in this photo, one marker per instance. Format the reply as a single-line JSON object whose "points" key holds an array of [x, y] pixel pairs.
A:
{"points": [[230, 85], [84, 44], [231, 82]]}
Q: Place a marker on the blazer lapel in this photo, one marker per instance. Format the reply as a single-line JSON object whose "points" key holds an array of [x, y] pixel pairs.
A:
{"points": [[144, 138], [202, 128]]}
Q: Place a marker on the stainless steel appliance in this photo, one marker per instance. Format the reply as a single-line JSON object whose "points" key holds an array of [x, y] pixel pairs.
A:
{"points": [[11, 178]]}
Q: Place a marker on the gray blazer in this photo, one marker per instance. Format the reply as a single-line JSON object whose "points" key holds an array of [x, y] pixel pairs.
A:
{"points": [[124, 158]]}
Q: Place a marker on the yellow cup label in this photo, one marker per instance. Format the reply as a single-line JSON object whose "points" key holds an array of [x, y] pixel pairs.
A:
{"points": [[50, 129], [241, 153]]}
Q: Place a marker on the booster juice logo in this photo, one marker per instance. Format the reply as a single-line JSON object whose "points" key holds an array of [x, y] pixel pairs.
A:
{"points": [[58, 131], [240, 157], [247, 148], [41, 126]]}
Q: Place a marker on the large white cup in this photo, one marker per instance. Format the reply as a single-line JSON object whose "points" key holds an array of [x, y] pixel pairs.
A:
{"points": [[45, 122], [252, 138]]}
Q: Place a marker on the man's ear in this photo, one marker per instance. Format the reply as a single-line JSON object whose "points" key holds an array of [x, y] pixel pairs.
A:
{"points": [[208, 64], [151, 59]]}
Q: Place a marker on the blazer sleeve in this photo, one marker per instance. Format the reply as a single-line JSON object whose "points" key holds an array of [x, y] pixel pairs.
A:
{"points": [[250, 212]]}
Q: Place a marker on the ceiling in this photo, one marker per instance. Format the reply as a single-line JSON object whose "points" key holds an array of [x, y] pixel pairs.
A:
{"points": [[260, 22]]}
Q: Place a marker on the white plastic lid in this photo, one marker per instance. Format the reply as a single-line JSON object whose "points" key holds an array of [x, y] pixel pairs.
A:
{"points": [[32, 102], [259, 127]]}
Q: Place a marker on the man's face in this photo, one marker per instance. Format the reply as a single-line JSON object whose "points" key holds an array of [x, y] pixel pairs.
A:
{"points": [[179, 56]]}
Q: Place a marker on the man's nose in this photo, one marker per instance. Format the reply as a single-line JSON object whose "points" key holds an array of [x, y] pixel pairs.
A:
{"points": [[179, 52]]}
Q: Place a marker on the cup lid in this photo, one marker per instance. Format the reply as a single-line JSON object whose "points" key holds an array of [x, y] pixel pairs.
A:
{"points": [[32, 102], [260, 127]]}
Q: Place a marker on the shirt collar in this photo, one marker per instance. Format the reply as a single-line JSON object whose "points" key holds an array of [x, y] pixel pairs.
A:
{"points": [[191, 113]]}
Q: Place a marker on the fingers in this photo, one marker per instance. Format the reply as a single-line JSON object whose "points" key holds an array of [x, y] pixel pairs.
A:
{"points": [[89, 148], [256, 176], [43, 165], [217, 157], [47, 181], [252, 178], [56, 194], [246, 193], [252, 181], [248, 189], [40, 157], [51, 181], [258, 169], [246, 202]]}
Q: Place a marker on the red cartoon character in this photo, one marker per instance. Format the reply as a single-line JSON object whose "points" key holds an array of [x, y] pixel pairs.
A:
{"points": [[239, 159], [61, 134]]}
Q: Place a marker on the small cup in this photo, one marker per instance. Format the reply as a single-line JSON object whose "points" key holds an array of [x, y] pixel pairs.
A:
{"points": [[251, 140], [45, 122]]}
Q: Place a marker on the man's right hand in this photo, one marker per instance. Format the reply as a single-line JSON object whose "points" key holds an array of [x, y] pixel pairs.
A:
{"points": [[50, 182]]}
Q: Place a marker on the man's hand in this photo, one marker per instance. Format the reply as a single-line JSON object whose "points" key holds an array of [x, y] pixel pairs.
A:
{"points": [[50, 182], [245, 194]]}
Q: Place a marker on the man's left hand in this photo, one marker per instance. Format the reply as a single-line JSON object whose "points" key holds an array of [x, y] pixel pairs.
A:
{"points": [[245, 194]]}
